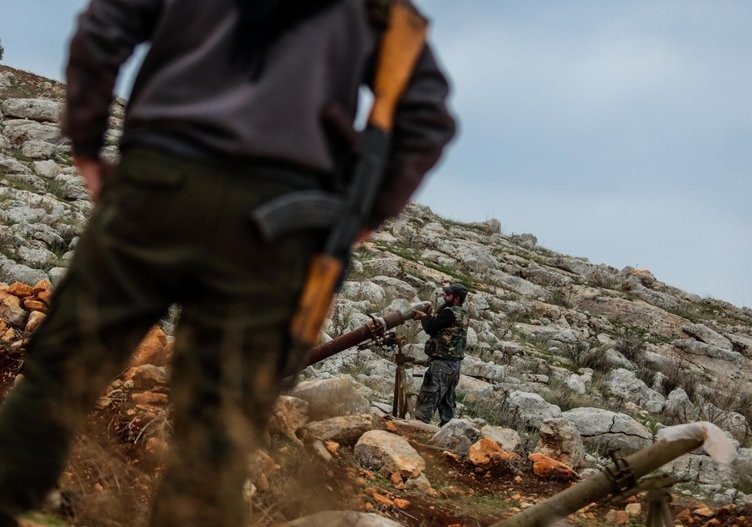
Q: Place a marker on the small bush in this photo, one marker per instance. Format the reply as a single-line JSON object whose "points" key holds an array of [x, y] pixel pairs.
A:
{"points": [[646, 375], [559, 298], [676, 376], [633, 348], [486, 408], [744, 407], [583, 357], [560, 394], [716, 405]]}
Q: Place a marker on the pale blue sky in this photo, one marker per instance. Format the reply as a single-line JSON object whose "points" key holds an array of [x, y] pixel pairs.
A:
{"points": [[611, 129]]}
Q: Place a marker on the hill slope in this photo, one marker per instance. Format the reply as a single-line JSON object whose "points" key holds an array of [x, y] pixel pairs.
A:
{"points": [[615, 352]]}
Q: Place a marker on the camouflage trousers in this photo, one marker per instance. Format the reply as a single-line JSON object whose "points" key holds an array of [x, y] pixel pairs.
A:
{"points": [[437, 390], [165, 231]]}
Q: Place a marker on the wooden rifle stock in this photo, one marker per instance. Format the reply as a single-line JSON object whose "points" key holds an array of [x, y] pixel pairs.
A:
{"points": [[401, 45], [400, 48], [323, 274]]}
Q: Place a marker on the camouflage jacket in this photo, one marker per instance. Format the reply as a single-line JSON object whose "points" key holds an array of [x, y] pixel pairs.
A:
{"points": [[449, 342]]}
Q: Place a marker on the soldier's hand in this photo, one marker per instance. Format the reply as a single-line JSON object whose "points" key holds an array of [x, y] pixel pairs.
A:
{"points": [[94, 171], [419, 315], [363, 235]]}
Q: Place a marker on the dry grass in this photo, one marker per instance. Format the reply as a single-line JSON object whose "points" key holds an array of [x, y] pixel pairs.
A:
{"points": [[105, 490]]}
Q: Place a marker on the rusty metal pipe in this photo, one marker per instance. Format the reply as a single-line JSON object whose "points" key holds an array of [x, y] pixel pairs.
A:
{"points": [[363, 333]]}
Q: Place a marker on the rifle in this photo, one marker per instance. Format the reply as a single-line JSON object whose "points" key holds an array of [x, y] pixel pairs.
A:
{"points": [[401, 45]]}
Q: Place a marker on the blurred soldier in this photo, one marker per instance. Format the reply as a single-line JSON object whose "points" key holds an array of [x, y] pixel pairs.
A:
{"points": [[447, 331], [237, 102]]}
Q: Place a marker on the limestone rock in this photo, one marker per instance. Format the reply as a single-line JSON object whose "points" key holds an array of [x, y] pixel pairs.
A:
{"points": [[37, 149], [7, 80], [487, 452], [18, 131], [516, 284], [344, 429], [388, 453], [680, 407], [11, 165], [506, 438], [548, 468], [695, 347], [704, 334], [47, 168], [576, 384], [343, 519], [289, 414], [365, 290], [11, 310], [35, 109], [35, 319], [609, 431], [560, 440], [527, 409], [626, 386], [11, 271], [701, 469], [457, 436], [742, 468], [331, 398], [395, 288]]}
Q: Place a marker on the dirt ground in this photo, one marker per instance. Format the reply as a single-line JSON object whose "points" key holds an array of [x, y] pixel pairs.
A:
{"points": [[111, 477], [464, 495]]}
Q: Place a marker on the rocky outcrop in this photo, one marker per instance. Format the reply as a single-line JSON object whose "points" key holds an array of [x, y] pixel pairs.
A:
{"points": [[343, 519], [546, 332], [330, 398], [527, 409], [608, 431], [624, 385], [456, 436], [390, 454], [560, 440]]}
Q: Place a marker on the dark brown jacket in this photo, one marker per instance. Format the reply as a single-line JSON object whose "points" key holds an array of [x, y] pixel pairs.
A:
{"points": [[190, 97]]}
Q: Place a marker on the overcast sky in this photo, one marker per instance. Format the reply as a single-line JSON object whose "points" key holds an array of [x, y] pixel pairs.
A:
{"points": [[611, 129]]}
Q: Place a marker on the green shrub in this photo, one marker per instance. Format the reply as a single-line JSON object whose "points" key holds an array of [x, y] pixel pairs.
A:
{"points": [[646, 374], [676, 376], [583, 356], [632, 347]]}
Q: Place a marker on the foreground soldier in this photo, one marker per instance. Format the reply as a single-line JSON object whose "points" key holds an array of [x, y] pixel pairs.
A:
{"points": [[447, 331], [237, 103]]}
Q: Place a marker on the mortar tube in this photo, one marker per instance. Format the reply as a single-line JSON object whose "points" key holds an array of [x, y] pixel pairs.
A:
{"points": [[599, 486], [363, 333]]}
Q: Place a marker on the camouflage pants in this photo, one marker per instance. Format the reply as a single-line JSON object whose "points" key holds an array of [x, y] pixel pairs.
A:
{"points": [[437, 390], [165, 230]]}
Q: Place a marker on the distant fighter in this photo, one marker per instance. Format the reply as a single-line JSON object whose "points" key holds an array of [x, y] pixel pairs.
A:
{"points": [[447, 330]]}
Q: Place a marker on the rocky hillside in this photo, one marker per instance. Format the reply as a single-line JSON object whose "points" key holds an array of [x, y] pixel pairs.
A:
{"points": [[592, 359]]}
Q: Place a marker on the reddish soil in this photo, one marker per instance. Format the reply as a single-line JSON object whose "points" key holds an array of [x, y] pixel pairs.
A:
{"points": [[111, 477]]}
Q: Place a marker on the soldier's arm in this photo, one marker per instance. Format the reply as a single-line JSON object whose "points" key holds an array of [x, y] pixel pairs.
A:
{"points": [[107, 33], [422, 128], [441, 320]]}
